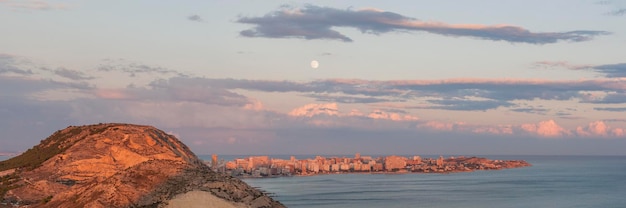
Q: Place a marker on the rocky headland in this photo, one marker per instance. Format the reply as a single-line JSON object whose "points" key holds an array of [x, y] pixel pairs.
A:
{"points": [[118, 165]]}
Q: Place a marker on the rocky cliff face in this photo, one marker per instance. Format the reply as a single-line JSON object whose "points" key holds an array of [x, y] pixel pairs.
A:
{"points": [[115, 165]]}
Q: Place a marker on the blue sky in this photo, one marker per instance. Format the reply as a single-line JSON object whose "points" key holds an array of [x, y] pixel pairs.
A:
{"points": [[399, 77]]}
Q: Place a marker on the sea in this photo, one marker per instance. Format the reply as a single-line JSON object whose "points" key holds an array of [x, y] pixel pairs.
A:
{"points": [[551, 181]]}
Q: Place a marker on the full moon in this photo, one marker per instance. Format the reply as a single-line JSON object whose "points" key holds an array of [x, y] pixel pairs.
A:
{"points": [[315, 64]]}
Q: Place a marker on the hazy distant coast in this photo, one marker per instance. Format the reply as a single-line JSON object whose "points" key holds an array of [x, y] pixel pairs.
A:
{"points": [[8, 154]]}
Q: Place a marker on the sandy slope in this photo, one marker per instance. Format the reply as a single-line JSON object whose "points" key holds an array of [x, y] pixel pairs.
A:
{"points": [[200, 199]]}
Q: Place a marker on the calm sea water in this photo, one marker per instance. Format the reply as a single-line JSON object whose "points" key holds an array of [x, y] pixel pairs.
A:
{"points": [[2, 157], [552, 181]]}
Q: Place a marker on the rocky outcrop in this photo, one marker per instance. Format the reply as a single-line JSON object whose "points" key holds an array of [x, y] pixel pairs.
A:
{"points": [[117, 165]]}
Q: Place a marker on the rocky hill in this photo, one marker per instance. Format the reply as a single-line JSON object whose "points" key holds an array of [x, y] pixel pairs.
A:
{"points": [[118, 165]]}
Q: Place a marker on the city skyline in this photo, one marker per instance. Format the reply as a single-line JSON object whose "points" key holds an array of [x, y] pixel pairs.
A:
{"points": [[322, 77]]}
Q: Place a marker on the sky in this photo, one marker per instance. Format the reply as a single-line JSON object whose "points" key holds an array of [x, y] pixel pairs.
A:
{"points": [[394, 77]]}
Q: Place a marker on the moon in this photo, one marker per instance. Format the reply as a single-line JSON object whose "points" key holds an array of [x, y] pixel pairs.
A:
{"points": [[315, 64]]}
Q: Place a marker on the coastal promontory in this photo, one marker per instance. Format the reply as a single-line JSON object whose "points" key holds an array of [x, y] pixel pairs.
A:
{"points": [[118, 165]]}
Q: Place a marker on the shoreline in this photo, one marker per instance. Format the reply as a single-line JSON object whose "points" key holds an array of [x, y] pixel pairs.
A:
{"points": [[266, 167], [369, 173]]}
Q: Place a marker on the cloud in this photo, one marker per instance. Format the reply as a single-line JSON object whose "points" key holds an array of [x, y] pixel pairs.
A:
{"points": [[541, 111], [72, 74], [599, 128], [498, 130], [547, 128], [468, 105], [208, 112], [179, 90], [313, 109], [29, 5], [611, 109], [217, 109], [452, 94], [612, 70], [609, 70], [379, 114], [347, 99], [27, 87], [11, 64], [313, 22], [465, 128], [441, 126], [560, 64], [612, 98], [254, 105], [618, 7], [489, 89], [133, 69], [195, 18], [331, 109]]}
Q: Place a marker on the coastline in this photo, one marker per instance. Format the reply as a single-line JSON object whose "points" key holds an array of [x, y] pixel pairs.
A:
{"points": [[552, 181], [266, 167]]}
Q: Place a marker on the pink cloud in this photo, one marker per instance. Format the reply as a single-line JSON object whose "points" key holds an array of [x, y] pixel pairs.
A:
{"points": [[355, 112], [311, 110], [599, 128], [547, 128], [332, 109], [254, 105], [379, 114]]}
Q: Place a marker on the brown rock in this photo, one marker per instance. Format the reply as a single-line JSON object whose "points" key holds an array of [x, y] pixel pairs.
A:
{"points": [[118, 165]]}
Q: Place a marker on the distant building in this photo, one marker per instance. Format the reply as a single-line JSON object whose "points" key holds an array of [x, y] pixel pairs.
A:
{"points": [[377, 167], [214, 161], [326, 167], [344, 167], [366, 167], [440, 162], [395, 163]]}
